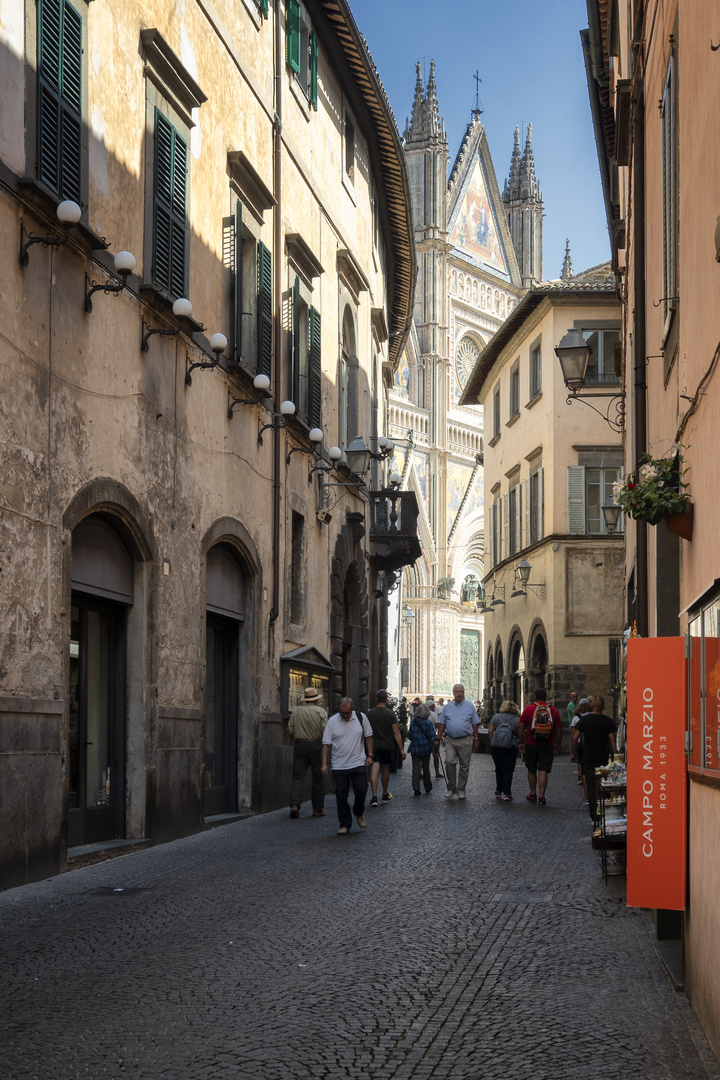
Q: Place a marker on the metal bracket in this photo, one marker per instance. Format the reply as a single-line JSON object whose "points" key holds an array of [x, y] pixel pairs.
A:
{"points": [[203, 365], [46, 241], [108, 287]]}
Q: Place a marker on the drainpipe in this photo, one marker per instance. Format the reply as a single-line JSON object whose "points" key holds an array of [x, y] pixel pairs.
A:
{"points": [[277, 321], [640, 371]]}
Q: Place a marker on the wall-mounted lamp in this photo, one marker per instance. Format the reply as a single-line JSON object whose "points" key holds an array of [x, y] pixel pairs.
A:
{"points": [[574, 353], [611, 514], [218, 344], [395, 479], [498, 601], [261, 384], [280, 420], [522, 571], [358, 456], [182, 309], [315, 436], [408, 615], [385, 448], [124, 265], [68, 213]]}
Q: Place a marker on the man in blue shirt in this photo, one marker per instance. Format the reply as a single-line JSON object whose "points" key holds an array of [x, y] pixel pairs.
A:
{"points": [[459, 723]]}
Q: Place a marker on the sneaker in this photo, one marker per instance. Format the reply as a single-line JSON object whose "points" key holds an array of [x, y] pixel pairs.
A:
{"points": [[361, 822], [498, 794], [343, 831], [373, 801], [542, 800], [586, 802], [415, 791], [507, 798], [294, 811], [428, 789], [461, 794], [319, 813], [387, 797], [531, 798], [580, 780], [451, 794]]}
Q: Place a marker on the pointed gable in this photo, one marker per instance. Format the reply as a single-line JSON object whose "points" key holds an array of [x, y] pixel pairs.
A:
{"points": [[477, 228]]}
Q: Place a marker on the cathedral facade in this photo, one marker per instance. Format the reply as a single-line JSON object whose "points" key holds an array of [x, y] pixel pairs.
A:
{"points": [[477, 250]]}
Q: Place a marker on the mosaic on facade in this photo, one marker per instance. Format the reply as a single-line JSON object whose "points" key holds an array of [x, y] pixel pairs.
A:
{"points": [[458, 478], [475, 229]]}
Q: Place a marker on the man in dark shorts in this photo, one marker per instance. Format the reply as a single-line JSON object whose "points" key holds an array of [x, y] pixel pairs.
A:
{"points": [[539, 751], [387, 743]]}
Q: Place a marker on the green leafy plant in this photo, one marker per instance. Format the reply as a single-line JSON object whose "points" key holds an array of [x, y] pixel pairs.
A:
{"points": [[657, 491]]}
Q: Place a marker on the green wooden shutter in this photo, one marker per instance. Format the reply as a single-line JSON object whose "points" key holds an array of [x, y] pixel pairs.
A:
{"points": [[238, 285], [295, 358], [264, 9], [313, 70], [264, 308], [59, 116], [506, 526], [293, 27], [170, 207], [314, 395]]}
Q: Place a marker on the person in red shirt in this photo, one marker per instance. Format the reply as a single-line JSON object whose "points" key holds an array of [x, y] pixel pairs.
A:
{"points": [[539, 751]]}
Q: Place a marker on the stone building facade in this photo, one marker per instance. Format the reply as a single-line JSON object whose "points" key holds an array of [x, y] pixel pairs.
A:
{"points": [[545, 484], [180, 554]]}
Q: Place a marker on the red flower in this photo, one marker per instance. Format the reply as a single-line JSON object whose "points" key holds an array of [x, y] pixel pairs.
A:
{"points": [[631, 485]]}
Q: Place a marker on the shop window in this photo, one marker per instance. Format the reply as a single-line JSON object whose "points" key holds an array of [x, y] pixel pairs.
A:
{"points": [[704, 691], [60, 81]]}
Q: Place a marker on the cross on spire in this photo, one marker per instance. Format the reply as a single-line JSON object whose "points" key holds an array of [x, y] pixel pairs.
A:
{"points": [[477, 111]]}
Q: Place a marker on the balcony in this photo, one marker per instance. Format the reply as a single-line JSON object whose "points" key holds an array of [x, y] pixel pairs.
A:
{"points": [[394, 540]]}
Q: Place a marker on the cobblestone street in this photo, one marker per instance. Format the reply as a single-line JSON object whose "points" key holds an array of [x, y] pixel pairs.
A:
{"points": [[472, 941]]}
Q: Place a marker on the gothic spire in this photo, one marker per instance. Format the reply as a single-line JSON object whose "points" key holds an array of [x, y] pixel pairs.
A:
{"points": [[567, 270], [512, 186], [433, 111], [417, 109], [528, 184]]}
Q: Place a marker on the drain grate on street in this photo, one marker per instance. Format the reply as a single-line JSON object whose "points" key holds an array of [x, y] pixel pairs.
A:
{"points": [[523, 897]]}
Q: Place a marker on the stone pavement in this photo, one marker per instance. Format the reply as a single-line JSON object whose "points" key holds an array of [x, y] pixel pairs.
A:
{"points": [[472, 941]]}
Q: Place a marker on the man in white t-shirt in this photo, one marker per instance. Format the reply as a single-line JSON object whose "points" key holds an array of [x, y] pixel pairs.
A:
{"points": [[350, 737]]}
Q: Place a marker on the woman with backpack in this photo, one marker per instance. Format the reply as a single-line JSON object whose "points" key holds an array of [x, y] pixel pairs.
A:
{"points": [[503, 741]]}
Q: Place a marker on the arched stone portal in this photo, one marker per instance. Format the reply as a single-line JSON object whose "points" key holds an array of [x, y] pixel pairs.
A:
{"points": [[349, 627]]}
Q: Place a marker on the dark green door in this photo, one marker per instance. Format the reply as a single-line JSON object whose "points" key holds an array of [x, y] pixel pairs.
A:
{"points": [[221, 712]]}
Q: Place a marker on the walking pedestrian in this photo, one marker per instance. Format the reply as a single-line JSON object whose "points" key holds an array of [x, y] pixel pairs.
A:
{"points": [[422, 741], [576, 746], [350, 737], [503, 740], [435, 718], [459, 724], [571, 707], [387, 744], [306, 725], [598, 735], [539, 735]]}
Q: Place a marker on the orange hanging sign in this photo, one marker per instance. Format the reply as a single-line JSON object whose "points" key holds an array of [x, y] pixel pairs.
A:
{"points": [[656, 773]]}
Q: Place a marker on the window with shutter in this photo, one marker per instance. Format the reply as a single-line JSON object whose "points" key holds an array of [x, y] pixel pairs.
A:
{"points": [[59, 100], [264, 8], [264, 310], [313, 70], [238, 304], [506, 526], [293, 27], [315, 398], [576, 499], [170, 220]]}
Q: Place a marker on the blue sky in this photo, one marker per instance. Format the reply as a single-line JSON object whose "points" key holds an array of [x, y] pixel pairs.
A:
{"points": [[531, 65]]}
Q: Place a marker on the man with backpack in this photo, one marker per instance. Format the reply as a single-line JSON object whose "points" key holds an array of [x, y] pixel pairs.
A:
{"points": [[539, 735]]}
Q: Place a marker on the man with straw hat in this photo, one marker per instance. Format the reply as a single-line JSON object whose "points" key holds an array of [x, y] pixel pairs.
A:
{"points": [[306, 725]]}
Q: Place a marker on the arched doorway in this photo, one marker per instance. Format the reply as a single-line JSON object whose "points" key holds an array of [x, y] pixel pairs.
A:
{"points": [[102, 581], [225, 600], [499, 675], [517, 673], [352, 636], [539, 660]]}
